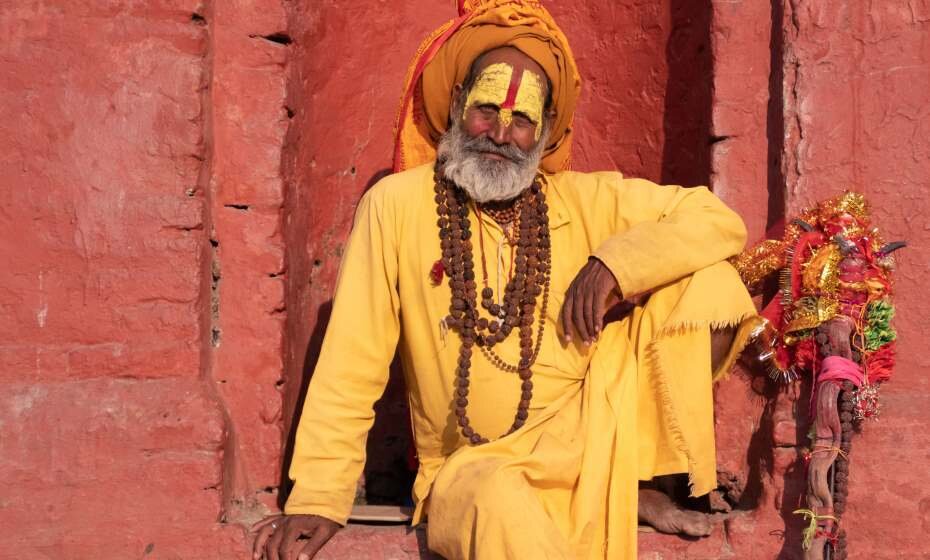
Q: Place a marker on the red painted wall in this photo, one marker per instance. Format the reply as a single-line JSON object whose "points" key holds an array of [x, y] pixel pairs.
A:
{"points": [[857, 82], [112, 432], [178, 177], [142, 298]]}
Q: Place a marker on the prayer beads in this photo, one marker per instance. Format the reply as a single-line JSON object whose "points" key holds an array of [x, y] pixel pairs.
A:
{"points": [[529, 231]]}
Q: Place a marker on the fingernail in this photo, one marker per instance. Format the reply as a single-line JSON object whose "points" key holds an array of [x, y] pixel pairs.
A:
{"points": [[303, 557]]}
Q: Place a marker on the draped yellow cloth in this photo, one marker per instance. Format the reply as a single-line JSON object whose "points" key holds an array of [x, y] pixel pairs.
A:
{"points": [[444, 58], [634, 405]]}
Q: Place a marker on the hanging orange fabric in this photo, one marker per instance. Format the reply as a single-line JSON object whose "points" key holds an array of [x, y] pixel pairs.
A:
{"points": [[444, 58]]}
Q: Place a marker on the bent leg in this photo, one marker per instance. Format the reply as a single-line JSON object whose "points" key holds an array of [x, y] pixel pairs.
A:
{"points": [[686, 335], [657, 505], [481, 509]]}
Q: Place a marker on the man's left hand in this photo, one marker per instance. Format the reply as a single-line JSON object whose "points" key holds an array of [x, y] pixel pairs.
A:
{"points": [[593, 291]]}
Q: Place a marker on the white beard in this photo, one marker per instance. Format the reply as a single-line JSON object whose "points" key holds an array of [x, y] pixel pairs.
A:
{"points": [[484, 179]]}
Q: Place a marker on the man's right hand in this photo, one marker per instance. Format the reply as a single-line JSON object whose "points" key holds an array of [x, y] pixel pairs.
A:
{"points": [[278, 536]]}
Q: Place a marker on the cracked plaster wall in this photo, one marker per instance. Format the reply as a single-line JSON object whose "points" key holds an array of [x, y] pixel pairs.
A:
{"points": [[857, 115], [142, 294], [161, 156]]}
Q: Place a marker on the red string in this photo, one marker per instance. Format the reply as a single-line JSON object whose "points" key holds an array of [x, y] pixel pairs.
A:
{"points": [[831, 536], [881, 363]]}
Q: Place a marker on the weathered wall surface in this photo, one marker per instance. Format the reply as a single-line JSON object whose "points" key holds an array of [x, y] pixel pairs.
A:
{"points": [[142, 301], [178, 178], [112, 435], [246, 197], [857, 102]]}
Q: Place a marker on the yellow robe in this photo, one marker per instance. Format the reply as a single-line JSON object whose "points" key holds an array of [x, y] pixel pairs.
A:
{"points": [[634, 405]]}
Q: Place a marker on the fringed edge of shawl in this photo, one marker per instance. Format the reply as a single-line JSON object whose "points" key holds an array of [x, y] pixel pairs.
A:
{"points": [[660, 383], [741, 340]]}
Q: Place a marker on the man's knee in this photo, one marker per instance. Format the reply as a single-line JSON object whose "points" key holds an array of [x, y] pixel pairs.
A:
{"points": [[491, 496], [482, 488]]}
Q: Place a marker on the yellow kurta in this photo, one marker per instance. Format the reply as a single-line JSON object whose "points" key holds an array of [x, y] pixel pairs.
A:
{"points": [[635, 404]]}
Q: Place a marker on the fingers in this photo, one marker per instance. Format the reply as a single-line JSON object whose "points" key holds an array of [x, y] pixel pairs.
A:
{"points": [[598, 311], [315, 543], [589, 320], [566, 316], [274, 544], [607, 294], [290, 546], [265, 529], [578, 316], [587, 300], [265, 522]]}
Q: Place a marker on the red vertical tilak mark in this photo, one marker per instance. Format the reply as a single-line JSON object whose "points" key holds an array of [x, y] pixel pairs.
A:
{"points": [[511, 99]]}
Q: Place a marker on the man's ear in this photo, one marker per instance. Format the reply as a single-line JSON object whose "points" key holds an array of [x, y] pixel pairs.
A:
{"points": [[456, 100]]}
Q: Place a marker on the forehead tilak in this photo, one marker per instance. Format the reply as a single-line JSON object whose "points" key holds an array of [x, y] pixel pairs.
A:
{"points": [[510, 89]]}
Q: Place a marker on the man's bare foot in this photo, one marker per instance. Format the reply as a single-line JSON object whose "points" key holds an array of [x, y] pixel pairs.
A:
{"points": [[657, 510]]}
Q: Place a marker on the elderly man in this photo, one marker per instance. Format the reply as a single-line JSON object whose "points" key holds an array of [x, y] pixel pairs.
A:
{"points": [[492, 269]]}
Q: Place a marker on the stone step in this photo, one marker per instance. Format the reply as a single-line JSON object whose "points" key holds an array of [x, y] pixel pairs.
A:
{"points": [[360, 541]]}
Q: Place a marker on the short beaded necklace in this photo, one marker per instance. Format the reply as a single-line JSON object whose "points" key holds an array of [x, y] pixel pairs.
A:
{"points": [[532, 267]]}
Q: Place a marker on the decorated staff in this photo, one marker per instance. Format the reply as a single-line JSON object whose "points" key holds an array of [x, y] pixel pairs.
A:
{"points": [[831, 322]]}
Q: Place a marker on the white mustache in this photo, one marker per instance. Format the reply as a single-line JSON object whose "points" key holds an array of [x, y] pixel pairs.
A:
{"points": [[483, 179]]}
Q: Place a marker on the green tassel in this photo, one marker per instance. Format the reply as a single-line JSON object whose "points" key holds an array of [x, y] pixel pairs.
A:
{"points": [[878, 330]]}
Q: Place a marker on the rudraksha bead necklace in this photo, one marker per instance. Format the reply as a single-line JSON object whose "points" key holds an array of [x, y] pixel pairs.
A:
{"points": [[532, 267], [506, 216]]}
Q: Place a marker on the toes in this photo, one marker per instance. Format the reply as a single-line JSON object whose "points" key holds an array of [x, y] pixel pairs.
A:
{"points": [[665, 516], [694, 523]]}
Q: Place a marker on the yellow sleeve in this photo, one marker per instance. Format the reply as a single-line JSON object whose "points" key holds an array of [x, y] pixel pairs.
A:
{"points": [[673, 232], [352, 370]]}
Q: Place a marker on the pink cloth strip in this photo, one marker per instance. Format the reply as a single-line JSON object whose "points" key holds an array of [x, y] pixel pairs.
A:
{"points": [[838, 368]]}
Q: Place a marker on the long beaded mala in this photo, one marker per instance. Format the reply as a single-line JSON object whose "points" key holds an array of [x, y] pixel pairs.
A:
{"points": [[530, 281], [841, 466]]}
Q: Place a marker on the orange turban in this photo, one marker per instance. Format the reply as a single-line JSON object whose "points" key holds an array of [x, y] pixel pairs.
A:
{"points": [[445, 57]]}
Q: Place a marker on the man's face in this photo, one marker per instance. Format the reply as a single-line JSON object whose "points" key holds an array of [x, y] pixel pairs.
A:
{"points": [[506, 101], [495, 141]]}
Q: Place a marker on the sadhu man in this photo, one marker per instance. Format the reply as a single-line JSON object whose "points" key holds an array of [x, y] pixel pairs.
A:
{"points": [[491, 268]]}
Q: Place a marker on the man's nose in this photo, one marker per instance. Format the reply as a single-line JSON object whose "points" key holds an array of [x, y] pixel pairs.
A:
{"points": [[501, 133]]}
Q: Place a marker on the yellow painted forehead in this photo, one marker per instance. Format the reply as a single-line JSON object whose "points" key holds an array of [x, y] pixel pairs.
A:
{"points": [[498, 84]]}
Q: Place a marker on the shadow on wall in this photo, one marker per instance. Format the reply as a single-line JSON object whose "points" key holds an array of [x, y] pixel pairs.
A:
{"points": [[389, 467], [310, 358], [775, 120], [688, 96]]}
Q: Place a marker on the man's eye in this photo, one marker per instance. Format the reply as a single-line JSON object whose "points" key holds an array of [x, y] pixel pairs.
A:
{"points": [[522, 120], [488, 109]]}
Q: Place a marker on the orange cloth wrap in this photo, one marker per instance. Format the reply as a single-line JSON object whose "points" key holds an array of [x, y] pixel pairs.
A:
{"points": [[444, 58]]}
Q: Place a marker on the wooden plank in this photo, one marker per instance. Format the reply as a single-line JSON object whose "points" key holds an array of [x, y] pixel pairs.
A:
{"points": [[381, 514]]}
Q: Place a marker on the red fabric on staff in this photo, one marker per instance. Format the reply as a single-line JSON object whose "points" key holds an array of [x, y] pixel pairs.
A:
{"points": [[838, 368]]}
